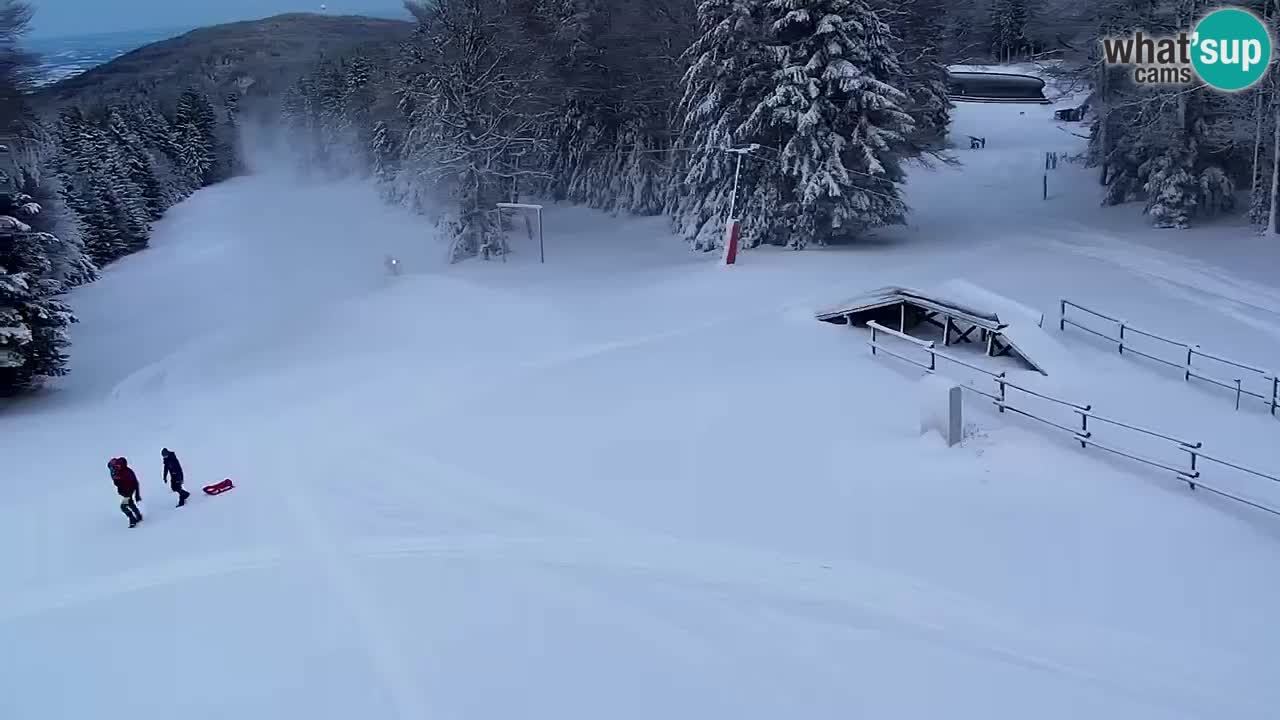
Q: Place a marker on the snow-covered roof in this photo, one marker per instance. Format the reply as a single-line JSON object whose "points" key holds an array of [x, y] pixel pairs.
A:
{"points": [[1020, 326], [893, 294], [1032, 69]]}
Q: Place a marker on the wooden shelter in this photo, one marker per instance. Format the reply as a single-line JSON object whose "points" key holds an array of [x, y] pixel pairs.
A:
{"points": [[905, 309]]}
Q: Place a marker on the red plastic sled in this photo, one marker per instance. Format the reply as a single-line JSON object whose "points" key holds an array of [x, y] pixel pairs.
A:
{"points": [[218, 488]]}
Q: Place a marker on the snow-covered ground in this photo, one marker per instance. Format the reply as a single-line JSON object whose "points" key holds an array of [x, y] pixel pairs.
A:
{"points": [[630, 483]]}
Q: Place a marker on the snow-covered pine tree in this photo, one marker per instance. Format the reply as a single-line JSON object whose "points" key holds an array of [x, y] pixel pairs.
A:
{"points": [[236, 161], [33, 322], [359, 98], [39, 205], [730, 70], [97, 185], [159, 140], [332, 118], [194, 123], [385, 155], [137, 163], [124, 198], [843, 128], [78, 172]]}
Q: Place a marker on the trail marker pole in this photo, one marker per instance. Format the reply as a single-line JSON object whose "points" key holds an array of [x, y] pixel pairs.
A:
{"points": [[731, 223], [542, 252]]}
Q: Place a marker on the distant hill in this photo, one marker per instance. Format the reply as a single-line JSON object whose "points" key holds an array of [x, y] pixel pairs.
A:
{"points": [[256, 58]]}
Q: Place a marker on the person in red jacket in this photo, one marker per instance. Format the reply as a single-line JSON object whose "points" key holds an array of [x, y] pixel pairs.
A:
{"points": [[126, 483]]}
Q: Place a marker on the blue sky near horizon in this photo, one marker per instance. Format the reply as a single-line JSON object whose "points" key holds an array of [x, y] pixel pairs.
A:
{"points": [[63, 18]]}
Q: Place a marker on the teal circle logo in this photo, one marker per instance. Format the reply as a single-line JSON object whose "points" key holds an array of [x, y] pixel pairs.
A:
{"points": [[1231, 49]]}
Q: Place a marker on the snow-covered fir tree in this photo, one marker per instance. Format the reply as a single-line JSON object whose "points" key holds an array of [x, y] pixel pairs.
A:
{"points": [[135, 164], [840, 128], [38, 203], [196, 138], [35, 266], [33, 321], [731, 68], [94, 173]]}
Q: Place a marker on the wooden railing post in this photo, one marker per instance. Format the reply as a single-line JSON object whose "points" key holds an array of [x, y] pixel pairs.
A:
{"points": [[1238, 393], [1000, 381], [1275, 393], [1084, 428], [1190, 352], [873, 339], [1121, 338], [1062, 316]]}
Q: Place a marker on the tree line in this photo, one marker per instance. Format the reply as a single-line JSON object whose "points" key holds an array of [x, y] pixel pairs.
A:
{"points": [[80, 189], [630, 107], [1185, 152], [623, 106]]}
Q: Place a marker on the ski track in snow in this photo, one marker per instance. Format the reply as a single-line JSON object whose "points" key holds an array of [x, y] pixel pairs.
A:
{"points": [[891, 603], [1212, 287]]}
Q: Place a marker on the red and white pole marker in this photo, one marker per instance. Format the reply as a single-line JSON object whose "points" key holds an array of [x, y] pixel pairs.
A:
{"points": [[731, 242], [731, 230]]}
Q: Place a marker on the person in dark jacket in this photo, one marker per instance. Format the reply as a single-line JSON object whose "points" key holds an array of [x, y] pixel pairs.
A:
{"points": [[126, 483], [173, 475]]}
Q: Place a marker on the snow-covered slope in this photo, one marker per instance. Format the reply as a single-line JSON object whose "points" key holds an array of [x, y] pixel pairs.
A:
{"points": [[628, 483]]}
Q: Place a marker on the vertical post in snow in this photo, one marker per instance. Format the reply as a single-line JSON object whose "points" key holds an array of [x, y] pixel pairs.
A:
{"points": [[1045, 184], [732, 225], [1062, 315], [731, 230], [955, 427], [542, 253], [731, 242], [733, 199]]}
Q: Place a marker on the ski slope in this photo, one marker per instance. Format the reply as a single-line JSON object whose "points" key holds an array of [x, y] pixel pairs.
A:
{"points": [[629, 483]]}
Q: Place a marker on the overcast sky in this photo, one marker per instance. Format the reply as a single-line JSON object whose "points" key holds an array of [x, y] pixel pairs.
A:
{"points": [[83, 17]]}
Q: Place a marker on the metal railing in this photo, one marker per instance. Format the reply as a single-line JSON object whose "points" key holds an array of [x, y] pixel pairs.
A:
{"points": [[1187, 354], [1189, 473]]}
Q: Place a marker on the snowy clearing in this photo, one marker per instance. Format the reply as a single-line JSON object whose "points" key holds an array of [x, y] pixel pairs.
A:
{"points": [[630, 483]]}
